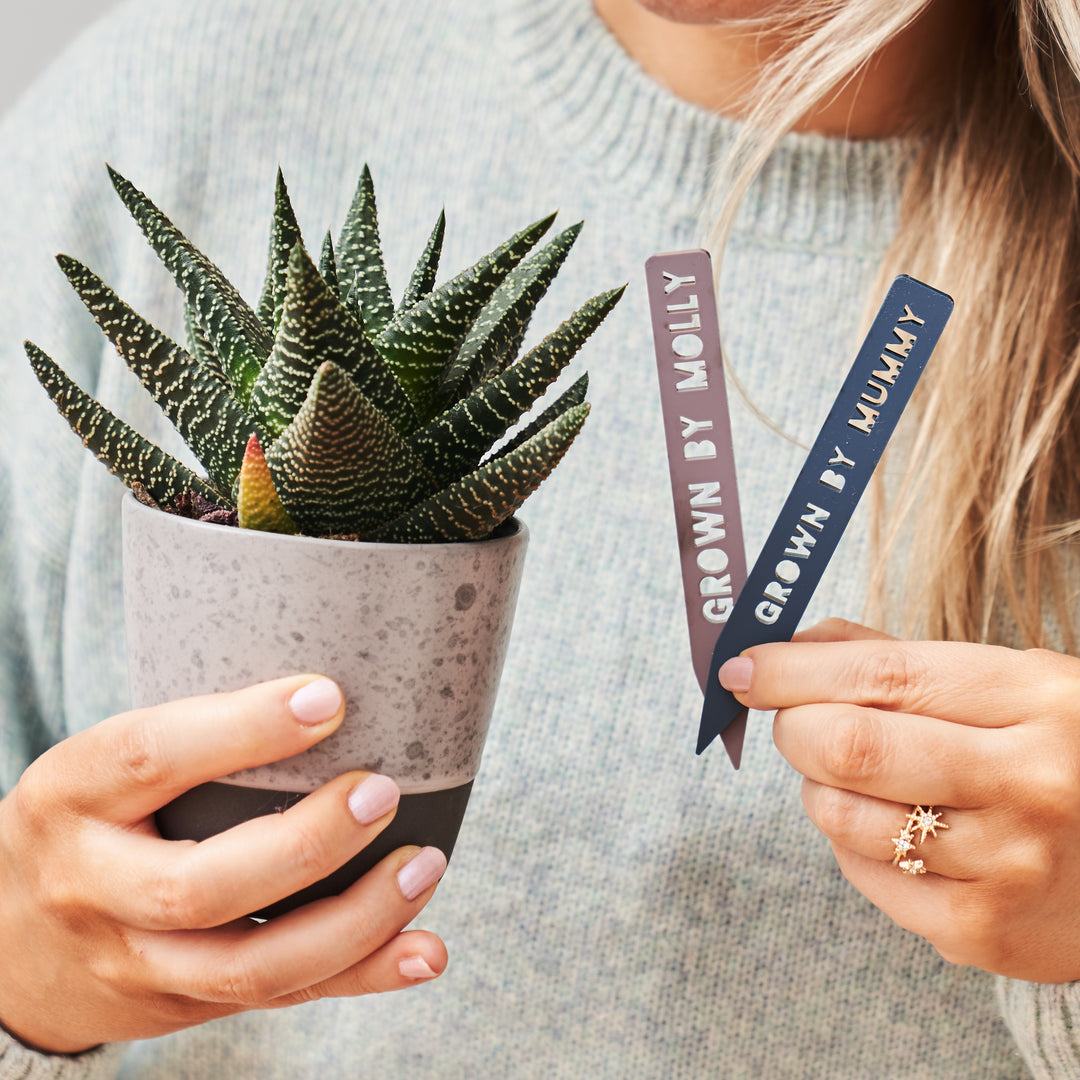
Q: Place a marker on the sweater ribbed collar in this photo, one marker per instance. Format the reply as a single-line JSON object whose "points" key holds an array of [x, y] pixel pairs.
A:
{"points": [[821, 194]]}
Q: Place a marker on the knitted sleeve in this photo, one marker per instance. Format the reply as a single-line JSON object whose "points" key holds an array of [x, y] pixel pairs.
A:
{"points": [[1045, 1021], [19, 1063]]}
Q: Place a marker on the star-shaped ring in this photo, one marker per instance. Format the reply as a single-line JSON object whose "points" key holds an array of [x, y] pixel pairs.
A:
{"points": [[924, 822]]}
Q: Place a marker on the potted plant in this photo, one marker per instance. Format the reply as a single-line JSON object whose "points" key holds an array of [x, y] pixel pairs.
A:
{"points": [[355, 515]]}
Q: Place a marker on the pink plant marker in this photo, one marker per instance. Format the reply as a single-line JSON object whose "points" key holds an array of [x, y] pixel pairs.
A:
{"points": [[701, 459]]}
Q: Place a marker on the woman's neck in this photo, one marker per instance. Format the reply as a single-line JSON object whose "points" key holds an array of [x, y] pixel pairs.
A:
{"points": [[715, 64]]}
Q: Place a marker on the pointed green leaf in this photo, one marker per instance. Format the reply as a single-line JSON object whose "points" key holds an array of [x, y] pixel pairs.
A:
{"points": [[340, 467], [419, 341], [455, 442], [423, 275], [234, 330], [495, 337], [200, 347], [472, 507], [352, 306], [120, 447], [328, 265], [566, 401], [360, 260], [315, 327], [198, 404], [284, 236]]}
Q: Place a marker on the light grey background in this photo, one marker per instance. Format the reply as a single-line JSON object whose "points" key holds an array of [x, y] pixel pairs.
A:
{"points": [[34, 32]]}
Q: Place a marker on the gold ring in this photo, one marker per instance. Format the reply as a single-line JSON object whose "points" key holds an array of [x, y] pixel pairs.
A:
{"points": [[924, 822]]}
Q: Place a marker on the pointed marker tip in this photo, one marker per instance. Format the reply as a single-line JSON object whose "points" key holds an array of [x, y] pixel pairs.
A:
{"points": [[705, 738], [733, 736]]}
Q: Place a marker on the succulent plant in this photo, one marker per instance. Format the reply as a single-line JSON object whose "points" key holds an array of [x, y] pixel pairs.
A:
{"points": [[327, 410]]}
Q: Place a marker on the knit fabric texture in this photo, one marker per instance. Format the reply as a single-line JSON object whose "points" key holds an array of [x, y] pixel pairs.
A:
{"points": [[616, 906]]}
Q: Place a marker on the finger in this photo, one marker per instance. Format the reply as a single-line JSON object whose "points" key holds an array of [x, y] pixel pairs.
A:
{"points": [[410, 958], [194, 886], [951, 843], [896, 756], [840, 630], [980, 685], [237, 966], [125, 768]]}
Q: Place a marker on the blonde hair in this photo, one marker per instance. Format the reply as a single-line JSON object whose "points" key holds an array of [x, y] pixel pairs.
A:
{"points": [[991, 487]]}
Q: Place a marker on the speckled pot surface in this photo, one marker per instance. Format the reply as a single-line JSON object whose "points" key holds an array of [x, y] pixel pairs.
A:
{"points": [[415, 635]]}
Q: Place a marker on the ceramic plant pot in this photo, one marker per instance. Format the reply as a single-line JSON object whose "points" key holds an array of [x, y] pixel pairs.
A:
{"points": [[415, 635]]}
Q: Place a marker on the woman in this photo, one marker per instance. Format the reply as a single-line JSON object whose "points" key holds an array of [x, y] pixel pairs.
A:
{"points": [[617, 907]]}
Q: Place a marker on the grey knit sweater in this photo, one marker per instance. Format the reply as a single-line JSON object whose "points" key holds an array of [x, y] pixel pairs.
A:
{"points": [[616, 907]]}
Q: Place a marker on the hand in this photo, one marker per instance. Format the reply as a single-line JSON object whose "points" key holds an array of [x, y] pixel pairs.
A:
{"points": [[987, 736], [110, 933]]}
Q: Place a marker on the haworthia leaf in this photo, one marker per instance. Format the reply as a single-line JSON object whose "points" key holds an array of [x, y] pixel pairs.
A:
{"points": [[200, 347], [198, 404], [567, 400], [315, 327], [328, 265], [418, 340], [455, 442], [284, 236], [257, 502], [472, 507], [360, 260], [340, 467], [120, 447], [234, 330], [423, 275], [495, 337]]}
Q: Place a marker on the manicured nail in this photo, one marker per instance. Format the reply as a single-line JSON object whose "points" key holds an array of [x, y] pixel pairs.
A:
{"points": [[316, 702], [421, 872], [374, 796], [416, 967], [734, 674]]}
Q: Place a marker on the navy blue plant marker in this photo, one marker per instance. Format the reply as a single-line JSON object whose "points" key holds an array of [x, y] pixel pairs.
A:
{"points": [[837, 470]]}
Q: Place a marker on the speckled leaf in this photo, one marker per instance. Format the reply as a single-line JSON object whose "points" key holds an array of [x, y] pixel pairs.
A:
{"points": [[120, 447], [423, 275], [234, 330], [340, 467], [200, 347], [328, 265], [472, 507], [352, 306], [257, 502], [315, 327], [419, 341], [495, 337], [456, 441], [284, 236], [198, 404], [567, 400], [360, 259]]}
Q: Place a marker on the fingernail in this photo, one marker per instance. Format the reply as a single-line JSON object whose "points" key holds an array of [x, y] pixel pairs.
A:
{"points": [[734, 674], [421, 872], [374, 796], [316, 702], [416, 967]]}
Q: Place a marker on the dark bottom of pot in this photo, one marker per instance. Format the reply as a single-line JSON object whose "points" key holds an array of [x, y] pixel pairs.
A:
{"points": [[431, 818]]}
